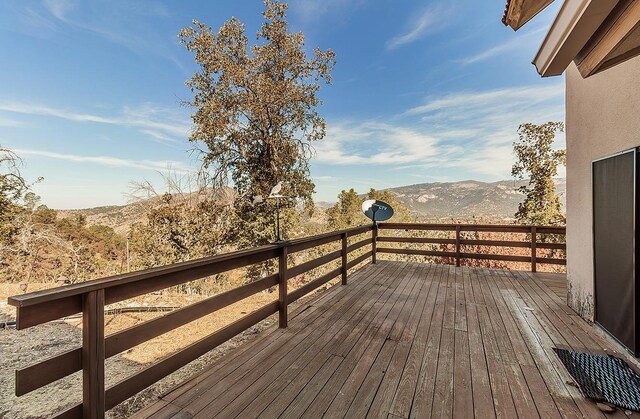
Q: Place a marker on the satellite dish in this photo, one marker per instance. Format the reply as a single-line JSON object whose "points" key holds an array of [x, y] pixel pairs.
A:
{"points": [[377, 210]]}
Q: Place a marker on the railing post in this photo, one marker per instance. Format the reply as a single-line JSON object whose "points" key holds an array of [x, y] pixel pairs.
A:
{"points": [[344, 258], [457, 245], [282, 286], [374, 237], [534, 253], [93, 355]]}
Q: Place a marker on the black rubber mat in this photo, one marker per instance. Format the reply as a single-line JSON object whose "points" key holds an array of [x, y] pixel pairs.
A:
{"points": [[603, 378]]}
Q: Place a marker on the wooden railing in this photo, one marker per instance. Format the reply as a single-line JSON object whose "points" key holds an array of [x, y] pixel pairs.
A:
{"points": [[90, 298], [538, 238]]}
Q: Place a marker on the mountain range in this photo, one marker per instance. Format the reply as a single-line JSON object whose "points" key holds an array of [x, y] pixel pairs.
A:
{"points": [[439, 200], [467, 199]]}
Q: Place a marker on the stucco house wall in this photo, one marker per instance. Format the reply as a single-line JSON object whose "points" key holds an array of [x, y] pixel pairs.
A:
{"points": [[603, 118]]}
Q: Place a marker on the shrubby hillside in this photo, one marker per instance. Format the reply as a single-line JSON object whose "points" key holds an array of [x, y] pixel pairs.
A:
{"points": [[466, 199]]}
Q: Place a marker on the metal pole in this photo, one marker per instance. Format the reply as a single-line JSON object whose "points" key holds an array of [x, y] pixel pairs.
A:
{"points": [[278, 218], [374, 237], [128, 258]]}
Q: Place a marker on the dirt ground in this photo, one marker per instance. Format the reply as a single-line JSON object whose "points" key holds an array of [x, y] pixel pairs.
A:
{"points": [[22, 348]]}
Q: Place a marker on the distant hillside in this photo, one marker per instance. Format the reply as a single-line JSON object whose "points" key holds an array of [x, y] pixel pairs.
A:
{"points": [[466, 199], [121, 217], [118, 217], [324, 204]]}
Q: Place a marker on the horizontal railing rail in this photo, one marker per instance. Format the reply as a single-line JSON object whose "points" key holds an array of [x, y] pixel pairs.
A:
{"points": [[537, 239], [91, 297]]}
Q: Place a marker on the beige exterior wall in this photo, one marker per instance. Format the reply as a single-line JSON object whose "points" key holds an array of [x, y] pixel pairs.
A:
{"points": [[603, 118]]}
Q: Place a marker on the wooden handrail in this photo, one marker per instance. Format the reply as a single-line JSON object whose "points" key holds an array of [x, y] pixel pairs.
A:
{"points": [[359, 244], [125, 286], [90, 298], [423, 240], [498, 228], [459, 242]]}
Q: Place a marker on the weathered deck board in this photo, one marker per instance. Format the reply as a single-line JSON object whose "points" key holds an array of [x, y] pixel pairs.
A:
{"points": [[406, 340]]}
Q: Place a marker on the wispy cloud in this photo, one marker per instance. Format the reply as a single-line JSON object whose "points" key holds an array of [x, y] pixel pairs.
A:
{"points": [[59, 8], [326, 178], [157, 119], [491, 101], [160, 123], [121, 22], [472, 132], [492, 118], [33, 21], [33, 109], [374, 143], [312, 10], [155, 165], [6, 122], [517, 43], [430, 20]]}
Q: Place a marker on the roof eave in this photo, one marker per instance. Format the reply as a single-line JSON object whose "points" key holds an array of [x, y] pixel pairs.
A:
{"points": [[518, 12], [574, 25]]}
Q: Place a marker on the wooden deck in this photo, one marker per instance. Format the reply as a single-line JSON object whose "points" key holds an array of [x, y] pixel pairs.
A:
{"points": [[406, 340]]}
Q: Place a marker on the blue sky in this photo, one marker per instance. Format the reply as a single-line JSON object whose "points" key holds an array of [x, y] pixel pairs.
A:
{"points": [[423, 91]]}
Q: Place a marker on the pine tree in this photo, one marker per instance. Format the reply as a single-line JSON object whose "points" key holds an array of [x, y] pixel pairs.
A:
{"points": [[538, 162]]}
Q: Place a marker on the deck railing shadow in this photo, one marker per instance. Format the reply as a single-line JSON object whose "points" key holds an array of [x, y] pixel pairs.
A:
{"points": [[90, 298]]}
